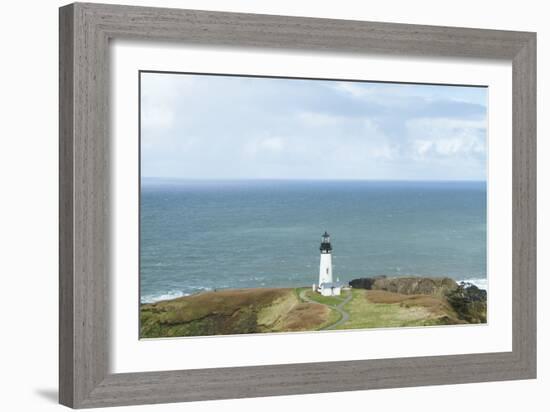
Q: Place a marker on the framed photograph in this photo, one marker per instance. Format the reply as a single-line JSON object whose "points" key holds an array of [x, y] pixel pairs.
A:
{"points": [[257, 205]]}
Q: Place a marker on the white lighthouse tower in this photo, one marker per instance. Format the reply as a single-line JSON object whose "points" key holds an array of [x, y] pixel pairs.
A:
{"points": [[327, 287]]}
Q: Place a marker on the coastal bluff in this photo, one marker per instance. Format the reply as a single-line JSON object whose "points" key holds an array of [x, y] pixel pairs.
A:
{"points": [[410, 285], [370, 303], [232, 311], [468, 302]]}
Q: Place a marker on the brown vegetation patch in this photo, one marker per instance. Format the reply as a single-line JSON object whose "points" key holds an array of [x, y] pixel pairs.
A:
{"points": [[220, 303], [232, 311], [305, 316], [437, 306]]}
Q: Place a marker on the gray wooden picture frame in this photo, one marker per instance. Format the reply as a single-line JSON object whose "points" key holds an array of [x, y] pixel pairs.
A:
{"points": [[85, 31]]}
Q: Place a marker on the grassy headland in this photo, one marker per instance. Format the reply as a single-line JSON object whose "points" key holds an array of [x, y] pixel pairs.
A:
{"points": [[257, 310], [378, 308], [232, 311]]}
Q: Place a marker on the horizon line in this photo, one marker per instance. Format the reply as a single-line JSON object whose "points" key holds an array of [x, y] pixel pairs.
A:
{"points": [[218, 179]]}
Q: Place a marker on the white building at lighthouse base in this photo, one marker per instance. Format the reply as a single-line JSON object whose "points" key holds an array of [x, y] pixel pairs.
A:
{"points": [[330, 289]]}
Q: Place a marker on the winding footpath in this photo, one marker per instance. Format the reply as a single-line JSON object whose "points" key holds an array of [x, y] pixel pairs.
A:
{"points": [[339, 308]]}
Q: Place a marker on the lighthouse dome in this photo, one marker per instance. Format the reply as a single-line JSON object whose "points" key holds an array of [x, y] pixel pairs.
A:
{"points": [[325, 243]]}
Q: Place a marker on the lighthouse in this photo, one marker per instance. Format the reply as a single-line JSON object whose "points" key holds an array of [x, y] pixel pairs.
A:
{"points": [[327, 287], [325, 268]]}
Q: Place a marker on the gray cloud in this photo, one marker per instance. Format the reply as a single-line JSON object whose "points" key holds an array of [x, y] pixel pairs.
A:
{"points": [[197, 126]]}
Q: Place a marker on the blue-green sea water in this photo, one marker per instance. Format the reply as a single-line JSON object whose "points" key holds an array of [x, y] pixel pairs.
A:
{"points": [[205, 235]]}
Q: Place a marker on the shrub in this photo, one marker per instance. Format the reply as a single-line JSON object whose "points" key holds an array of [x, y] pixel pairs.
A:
{"points": [[469, 302]]}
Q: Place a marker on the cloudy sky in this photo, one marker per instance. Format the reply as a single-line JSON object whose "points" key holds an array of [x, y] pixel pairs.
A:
{"points": [[213, 127]]}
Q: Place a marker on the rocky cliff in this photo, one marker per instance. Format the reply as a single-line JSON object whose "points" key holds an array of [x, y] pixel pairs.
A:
{"points": [[412, 285]]}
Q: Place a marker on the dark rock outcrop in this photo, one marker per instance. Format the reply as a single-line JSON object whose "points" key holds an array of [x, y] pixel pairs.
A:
{"points": [[364, 283], [469, 302], [412, 285]]}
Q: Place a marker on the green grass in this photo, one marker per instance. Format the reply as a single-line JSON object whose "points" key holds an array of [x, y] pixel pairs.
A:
{"points": [[237, 311], [399, 312], [333, 317], [233, 311], [325, 300], [330, 301], [297, 293]]}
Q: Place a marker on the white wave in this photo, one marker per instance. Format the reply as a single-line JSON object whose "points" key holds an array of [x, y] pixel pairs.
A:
{"points": [[480, 283], [199, 288], [172, 294], [165, 296]]}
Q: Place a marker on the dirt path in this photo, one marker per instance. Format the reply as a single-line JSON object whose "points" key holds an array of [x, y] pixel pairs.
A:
{"points": [[339, 308]]}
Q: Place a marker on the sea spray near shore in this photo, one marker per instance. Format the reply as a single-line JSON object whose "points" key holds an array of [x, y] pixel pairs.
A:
{"points": [[480, 283], [205, 235], [173, 294]]}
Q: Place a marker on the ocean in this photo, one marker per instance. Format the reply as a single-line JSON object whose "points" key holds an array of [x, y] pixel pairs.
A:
{"points": [[205, 235]]}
